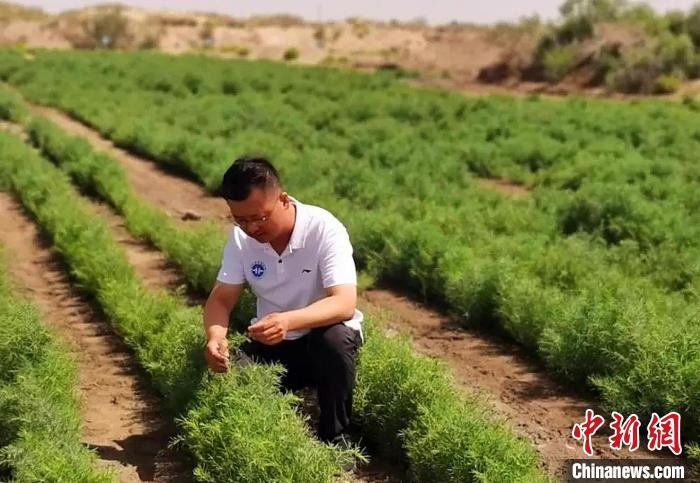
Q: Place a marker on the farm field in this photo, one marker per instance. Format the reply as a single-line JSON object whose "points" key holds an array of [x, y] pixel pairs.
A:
{"points": [[424, 401], [567, 227]]}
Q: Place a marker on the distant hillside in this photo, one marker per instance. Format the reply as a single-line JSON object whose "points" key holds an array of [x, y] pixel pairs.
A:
{"points": [[588, 50], [458, 51]]}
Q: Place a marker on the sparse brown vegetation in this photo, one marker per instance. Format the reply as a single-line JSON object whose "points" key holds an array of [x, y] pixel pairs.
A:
{"points": [[206, 34], [149, 42], [280, 20], [320, 35], [238, 50], [176, 21], [291, 54], [11, 11], [109, 28], [360, 27]]}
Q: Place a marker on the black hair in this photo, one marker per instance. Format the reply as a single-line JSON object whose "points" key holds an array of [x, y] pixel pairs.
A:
{"points": [[247, 173]]}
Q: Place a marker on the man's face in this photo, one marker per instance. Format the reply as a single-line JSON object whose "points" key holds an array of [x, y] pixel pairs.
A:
{"points": [[260, 215]]}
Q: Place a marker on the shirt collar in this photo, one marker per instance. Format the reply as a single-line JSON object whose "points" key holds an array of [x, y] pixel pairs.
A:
{"points": [[298, 238]]}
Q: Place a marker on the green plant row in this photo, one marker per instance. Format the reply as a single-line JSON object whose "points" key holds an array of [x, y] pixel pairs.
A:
{"points": [[422, 411], [40, 437], [238, 427], [12, 106]]}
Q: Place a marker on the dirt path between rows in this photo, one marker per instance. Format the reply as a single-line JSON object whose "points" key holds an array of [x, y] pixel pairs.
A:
{"points": [[151, 266], [509, 188], [538, 408], [179, 198], [121, 414]]}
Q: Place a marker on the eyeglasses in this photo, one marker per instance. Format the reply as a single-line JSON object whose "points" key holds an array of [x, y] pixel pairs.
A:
{"points": [[258, 221]]}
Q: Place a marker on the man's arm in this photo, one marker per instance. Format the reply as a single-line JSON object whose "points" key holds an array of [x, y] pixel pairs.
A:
{"points": [[337, 306], [221, 300]]}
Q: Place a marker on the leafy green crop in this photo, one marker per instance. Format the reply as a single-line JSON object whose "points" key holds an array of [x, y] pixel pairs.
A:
{"points": [[40, 436]]}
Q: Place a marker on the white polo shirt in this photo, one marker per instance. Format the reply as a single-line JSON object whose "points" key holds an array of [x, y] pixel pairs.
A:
{"points": [[318, 256]]}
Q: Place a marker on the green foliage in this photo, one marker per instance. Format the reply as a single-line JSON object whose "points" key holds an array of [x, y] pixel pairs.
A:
{"points": [[290, 54], [574, 29], [229, 429], [692, 25], [449, 447], [656, 66], [12, 107], [40, 436], [593, 9], [558, 62], [668, 84], [656, 69], [676, 21], [407, 401], [100, 175]]}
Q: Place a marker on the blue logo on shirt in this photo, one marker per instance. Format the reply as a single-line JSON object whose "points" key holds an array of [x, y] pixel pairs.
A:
{"points": [[258, 269]]}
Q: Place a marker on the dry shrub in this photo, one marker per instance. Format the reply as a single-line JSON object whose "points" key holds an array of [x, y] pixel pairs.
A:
{"points": [[109, 28]]}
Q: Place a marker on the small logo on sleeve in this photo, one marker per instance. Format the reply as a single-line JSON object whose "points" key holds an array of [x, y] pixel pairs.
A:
{"points": [[258, 269], [306, 270]]}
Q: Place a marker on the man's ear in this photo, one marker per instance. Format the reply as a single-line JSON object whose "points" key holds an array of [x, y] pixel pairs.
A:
{"points": [[284, 196]]}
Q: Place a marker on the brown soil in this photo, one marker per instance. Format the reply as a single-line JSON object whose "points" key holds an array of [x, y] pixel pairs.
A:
{"points": [[152, 267], [121, 414], [514, 190], [537, 407], [179, 198]]}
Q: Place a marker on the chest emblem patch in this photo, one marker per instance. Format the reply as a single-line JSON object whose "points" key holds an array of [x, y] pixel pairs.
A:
{"points": [[258, 269]]}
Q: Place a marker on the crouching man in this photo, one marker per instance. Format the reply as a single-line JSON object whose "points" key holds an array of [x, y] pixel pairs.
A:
{"points": [[297, 260]]}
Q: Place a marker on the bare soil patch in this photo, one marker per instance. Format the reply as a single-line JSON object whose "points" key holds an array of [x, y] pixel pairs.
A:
{"points": [[509, 188]]}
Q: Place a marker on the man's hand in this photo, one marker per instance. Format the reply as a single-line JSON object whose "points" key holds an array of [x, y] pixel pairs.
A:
{"points": [[271, 329], [216, 355]]}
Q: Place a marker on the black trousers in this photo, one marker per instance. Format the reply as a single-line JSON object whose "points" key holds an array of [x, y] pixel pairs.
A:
{"points": [[324, 358]]}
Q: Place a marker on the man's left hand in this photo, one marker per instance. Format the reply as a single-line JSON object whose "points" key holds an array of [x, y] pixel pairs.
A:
{"points": [[271, 329]]}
